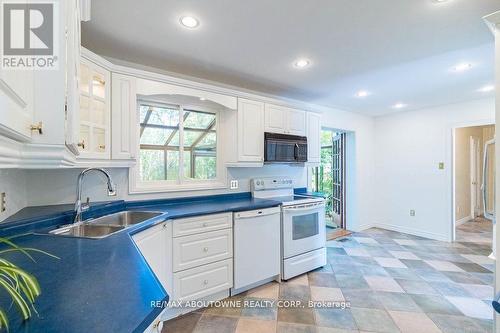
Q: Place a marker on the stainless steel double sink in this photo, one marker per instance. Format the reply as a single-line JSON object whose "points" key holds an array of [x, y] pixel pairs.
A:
{"points": [[106, 225]]}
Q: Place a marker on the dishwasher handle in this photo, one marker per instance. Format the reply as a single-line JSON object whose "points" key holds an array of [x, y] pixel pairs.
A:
{"points": [[257, 213]]}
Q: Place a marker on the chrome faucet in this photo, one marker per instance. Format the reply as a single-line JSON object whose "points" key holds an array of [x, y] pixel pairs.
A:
{"points": [[79, 207]]}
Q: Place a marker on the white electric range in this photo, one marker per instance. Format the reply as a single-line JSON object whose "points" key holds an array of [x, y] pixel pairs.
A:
{"points": [[303, 240]]}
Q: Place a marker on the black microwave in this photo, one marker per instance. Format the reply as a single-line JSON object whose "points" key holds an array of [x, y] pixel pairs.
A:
{"points": [[282, 148]]}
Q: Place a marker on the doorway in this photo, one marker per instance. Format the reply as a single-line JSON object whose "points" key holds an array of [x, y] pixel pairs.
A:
{"points": [[329, 178], [474, 184]]}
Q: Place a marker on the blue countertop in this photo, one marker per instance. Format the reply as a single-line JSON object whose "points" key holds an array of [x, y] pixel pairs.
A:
{"points": [[99, 285]]}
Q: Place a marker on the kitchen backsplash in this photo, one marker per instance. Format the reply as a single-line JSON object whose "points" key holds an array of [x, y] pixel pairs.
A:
{"points": [[49, 187]]}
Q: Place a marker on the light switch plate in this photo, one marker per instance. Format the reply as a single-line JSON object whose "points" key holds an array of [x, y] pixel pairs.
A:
{"points": [[234, 184]]}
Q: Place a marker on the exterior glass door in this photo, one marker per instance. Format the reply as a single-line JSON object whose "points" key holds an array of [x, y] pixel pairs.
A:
{"points": [[329, 177]]}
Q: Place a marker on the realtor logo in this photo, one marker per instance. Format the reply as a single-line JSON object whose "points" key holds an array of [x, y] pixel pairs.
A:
{"points": [[29, 33]]}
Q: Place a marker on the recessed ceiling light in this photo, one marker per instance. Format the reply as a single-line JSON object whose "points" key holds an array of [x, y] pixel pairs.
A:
{"points": [[202, 98], [440, 0], [399, 105], [487, 88], [462, 67], [302, 63], [189, 22], [362, 93]]}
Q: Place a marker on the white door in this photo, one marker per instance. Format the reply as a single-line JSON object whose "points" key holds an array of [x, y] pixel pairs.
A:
{"points": [[250, 131], [475, 167]]}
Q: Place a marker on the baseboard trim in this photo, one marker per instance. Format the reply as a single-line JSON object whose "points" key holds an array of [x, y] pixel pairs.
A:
{"points": [[363, 227], [414, 232], [463, 220], [405, 230]]}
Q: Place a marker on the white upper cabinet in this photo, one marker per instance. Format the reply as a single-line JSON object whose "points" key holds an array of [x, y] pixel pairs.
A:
{"points": [[95, 113], [124, 117], [296, 122], [250, 131], [280, 119], [275, 118], [313, 138], [16, 103]]}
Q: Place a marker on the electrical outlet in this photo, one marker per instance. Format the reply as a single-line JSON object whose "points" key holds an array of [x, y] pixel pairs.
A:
{"points": [[412, 212], [234, 184], [3, 202]]}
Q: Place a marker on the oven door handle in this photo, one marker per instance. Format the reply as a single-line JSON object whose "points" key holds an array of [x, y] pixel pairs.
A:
{"points": [[304, 207]]}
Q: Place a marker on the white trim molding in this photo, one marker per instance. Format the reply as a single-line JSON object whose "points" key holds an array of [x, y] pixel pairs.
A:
{"points": [[463, 220], [414, 231]]}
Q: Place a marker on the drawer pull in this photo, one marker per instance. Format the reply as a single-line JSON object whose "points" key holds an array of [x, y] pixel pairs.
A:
{"points": [[205, 282], [205, 249]]}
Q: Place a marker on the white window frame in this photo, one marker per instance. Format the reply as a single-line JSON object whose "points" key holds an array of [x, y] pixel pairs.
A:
{"points": [[136, 185]]}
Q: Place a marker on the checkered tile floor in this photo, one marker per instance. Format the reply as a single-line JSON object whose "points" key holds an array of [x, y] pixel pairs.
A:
{"points": [[393, 281]]}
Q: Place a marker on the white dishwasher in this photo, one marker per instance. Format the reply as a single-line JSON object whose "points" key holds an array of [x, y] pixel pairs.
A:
{"points": [[257, 246]]}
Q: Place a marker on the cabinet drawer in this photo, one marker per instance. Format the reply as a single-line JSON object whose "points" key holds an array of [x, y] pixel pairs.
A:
{"points": [[203, 281], [202, 224], [196, 250]]}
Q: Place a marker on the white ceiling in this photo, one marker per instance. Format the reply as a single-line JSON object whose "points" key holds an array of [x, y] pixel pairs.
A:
{"points": [[399, 50]]}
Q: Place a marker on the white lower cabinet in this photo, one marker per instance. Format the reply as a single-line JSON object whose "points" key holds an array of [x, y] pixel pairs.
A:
{"points": [[155, 245], [202, 256], [195, 250], [203, 281]]}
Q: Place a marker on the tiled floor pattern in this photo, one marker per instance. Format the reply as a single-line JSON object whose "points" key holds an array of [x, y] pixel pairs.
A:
{"points": [[394, 283], [477, 231]]}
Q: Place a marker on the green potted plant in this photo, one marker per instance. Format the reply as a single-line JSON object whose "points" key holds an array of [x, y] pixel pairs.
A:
{"points": [[21, 286]]}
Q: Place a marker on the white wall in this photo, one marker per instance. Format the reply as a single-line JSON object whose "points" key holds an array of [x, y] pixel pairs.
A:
{"points": [[360, 162], [13, 183], [408, 148]]}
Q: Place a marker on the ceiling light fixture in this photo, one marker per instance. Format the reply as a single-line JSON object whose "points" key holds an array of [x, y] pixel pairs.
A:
{"points": [[302, 63], [202, 98], [487, 88], [362, 94], [399, 105], [462, 67], [189, 22]]}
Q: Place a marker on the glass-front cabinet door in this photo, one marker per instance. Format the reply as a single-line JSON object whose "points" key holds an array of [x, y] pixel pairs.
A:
{"points": [[95, 111]]}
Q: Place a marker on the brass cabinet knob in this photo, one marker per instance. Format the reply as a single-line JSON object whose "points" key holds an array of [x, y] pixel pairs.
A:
{"points": [[81, 144], [38, 127], [102, 147]]}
